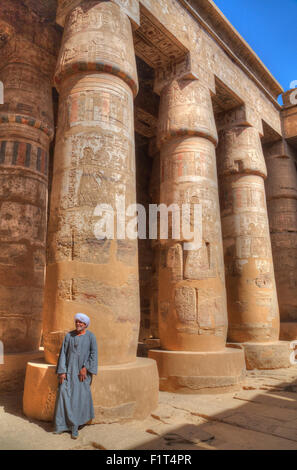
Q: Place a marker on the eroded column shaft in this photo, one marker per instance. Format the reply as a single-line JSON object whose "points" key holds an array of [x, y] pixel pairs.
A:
{"points": [[94, 164], [251, 291], [26, 128], [192, 295], [281, 191], [193, 315], [154, 191]]}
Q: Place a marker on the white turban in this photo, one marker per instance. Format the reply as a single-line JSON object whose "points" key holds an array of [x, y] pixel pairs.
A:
{"points": [[83, 318]]}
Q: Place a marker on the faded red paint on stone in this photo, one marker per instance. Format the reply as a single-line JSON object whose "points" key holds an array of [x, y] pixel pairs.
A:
{"points": [[24, 148], [94, 164]]}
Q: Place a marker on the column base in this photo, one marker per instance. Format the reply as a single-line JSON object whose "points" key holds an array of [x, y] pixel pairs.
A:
{"points": [[267, 356], [200, 372], [124, 392], [12, 372], [146, 345], [288, 331]]}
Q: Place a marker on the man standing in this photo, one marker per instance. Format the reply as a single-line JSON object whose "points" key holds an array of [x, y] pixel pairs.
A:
{"points": [[77, 363]]}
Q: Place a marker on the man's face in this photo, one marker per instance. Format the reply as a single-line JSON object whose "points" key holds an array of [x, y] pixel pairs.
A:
{"points": [[80, 326]]}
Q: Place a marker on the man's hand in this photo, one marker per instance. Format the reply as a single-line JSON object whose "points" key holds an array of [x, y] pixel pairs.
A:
{"points": [[83, 374], [62, 377]]}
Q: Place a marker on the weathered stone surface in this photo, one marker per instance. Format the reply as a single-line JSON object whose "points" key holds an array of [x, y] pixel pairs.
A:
{"points": [[200, 37], [240, 152], [289, 116], [108, 44], [281, 190], [198, 372], [251, 292], [12, 372], [193, 316], [52, 345], [191, 282], [129, 7], [186, 110], [122, 392], [154, 193], [200, 66], [26, 128], [267, 356], [95, 164]]}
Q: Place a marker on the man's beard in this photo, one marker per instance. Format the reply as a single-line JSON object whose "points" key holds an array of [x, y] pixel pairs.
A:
{"points": [[79, 328]]}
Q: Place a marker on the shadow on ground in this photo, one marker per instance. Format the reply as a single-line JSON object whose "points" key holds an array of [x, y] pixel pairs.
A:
{"points": [[262, 415]]}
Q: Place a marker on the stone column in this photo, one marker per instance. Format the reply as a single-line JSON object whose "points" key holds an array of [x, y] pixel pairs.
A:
{"points": [[251, 291], [192, 296], [281, 192], [26, 129], [95, 164], [155, 199]]}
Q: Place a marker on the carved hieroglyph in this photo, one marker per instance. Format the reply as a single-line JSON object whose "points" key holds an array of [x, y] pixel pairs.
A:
{"points": [[281, 191], [26, 128], [94, 164], [251, 292], [192, 301]]}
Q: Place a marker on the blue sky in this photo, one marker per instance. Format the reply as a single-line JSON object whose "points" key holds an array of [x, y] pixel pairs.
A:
{"points": [[270, 28]]}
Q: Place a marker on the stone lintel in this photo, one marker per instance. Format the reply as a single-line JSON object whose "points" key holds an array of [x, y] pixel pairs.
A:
{"points": [[184, 69], [240, 116], [146, 112], [147, 101], [130, 7], [145, 123]]}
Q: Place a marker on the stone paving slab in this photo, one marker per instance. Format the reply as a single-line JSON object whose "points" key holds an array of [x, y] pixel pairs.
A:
{"points": [[251, 418]]}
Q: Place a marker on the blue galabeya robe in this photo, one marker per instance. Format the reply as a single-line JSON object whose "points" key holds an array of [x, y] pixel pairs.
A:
{"points": [[74, 404]]}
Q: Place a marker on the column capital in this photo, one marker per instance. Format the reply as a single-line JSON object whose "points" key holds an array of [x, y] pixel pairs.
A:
{"points": [[242, 116], [130, 7], [240, 152], [184, 69], [278, 149], [186, 110], [289, 98], [27, 73], [282, 176], [289, 115], [20, 49], [97, 38]]}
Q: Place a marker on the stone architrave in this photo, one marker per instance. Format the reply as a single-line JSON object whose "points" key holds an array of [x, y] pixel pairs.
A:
{"points": [[192, 296], [251, 291], [26, 130], [95, 164], [281, 192]]}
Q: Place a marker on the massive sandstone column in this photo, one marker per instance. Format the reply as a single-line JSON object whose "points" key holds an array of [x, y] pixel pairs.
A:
{"points": [[192, 296], [281, 192], [95, 164], [251, 291], [26, 129], [154, 191]]}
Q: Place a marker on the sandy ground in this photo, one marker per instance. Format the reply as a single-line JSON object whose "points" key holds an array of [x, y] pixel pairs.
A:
{"points": [[262, 415]]}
